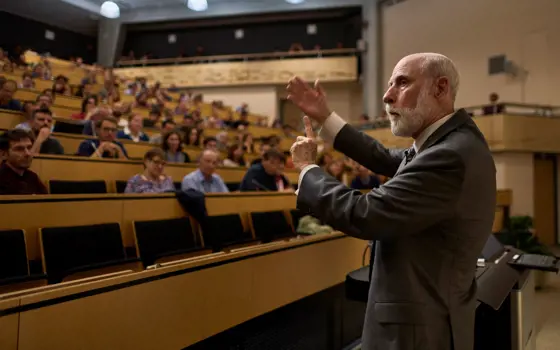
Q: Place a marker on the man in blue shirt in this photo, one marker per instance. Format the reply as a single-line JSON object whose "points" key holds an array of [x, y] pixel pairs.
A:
{"points": [[204, 178], [7, 90], [105, 145]]}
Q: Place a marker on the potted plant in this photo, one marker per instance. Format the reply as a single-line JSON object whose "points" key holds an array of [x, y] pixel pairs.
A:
{"points": [[519, 233]]}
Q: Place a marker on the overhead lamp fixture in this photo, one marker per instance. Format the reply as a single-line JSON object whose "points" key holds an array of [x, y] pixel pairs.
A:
{"points": [[295, 2], [197, 5], [110, 9]]}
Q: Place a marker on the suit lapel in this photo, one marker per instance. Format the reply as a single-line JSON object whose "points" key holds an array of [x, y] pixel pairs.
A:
{"points": [[459, 118]]}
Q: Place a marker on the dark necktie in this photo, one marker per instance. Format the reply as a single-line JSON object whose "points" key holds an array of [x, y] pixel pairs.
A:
{"points": [[409, 155]]}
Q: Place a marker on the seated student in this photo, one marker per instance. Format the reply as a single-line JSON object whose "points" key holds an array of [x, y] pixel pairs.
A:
{"points": [[152, 120], [267, 176], [264, 147], [235, 157], [40, 126], [364, 180], [7, 90], [173, 149], [15, 176], [152, 179], [204, 178], [27, 81], [210, 143], [88, 106], [167, 125], [60, 85], [134, 130], [105, 145], [242, 122]]}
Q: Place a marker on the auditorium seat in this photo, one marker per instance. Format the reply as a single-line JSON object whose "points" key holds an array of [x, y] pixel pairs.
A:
{"points": [[271, 226], [226, 232], [166, 240], [77, 187], [68, 128], [76, 252], [14, 265], [233, 186], [120, 186]]}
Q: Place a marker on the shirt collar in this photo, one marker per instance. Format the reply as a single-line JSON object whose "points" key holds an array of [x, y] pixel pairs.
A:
{"points": [[429, 131], [201, 177]]}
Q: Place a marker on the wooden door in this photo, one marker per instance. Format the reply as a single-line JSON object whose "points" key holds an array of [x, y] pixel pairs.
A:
{"points": [[545, 198]]}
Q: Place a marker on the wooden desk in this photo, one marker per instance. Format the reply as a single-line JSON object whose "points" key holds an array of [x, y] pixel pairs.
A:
{"points": [[59, 100], [32, 212], [82, 168], [149, 309]]}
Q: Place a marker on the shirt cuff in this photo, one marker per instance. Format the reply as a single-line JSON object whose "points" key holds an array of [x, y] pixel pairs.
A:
{"points": [[331, 127], [302, 174]]}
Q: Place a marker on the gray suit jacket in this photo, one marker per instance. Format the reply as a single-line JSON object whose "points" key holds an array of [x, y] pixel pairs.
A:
{"points": [[431, 221]]}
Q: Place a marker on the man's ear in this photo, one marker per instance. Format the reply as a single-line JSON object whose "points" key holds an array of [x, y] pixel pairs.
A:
{"points": [[441, 86]]}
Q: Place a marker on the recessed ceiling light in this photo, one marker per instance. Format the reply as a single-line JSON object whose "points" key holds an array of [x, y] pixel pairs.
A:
{"points": [[197, 5], [295, 1], [110, 9]]}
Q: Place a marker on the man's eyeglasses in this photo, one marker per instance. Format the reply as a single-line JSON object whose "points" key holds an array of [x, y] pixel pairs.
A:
{"points": [[111, 130]]}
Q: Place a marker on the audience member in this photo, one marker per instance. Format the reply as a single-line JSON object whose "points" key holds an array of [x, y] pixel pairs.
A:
{"points": [[210, 143], [242, 123], [133, 131], [105, 145], [60, 85], [248, 144], [494, 107], [172, 148], [152, 179], [336, 169], [267, 176], [153, 118], [264, 147], [167, 125], [27, 81], [235, 157], [364, 180], [204, 178], [40, 126], [88, 106], [193, 137], [15, 176], [223, 139], [7, 90]]}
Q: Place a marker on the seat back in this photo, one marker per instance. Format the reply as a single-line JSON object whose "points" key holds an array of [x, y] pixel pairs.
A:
{"points": [[68, 128], [272, 225], [77, 187], [120, 186], [13, 254], [77, 247], [296, 216], [233, 186], [223, 230], [158, 238]]}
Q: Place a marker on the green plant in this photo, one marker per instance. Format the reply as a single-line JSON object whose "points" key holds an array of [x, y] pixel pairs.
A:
{"points": [[519, 234]]}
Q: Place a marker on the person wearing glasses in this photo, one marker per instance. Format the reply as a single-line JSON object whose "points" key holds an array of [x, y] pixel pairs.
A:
{"points": [[106, 144], [152, 179]]}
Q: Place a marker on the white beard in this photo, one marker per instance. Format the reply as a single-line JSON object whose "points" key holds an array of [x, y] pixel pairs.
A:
{"points": [[409, 120]]}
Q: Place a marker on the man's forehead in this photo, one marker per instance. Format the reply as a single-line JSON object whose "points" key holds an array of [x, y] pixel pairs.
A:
{"points": [[408, 66]]}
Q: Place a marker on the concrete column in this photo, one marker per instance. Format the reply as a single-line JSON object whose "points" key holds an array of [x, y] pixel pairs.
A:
{"points": [[372, 68], [110, 41]]}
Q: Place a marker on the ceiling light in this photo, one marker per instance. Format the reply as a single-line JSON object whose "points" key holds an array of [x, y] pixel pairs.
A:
{"points": [[295, 1], [197, 5], [110, 9]]}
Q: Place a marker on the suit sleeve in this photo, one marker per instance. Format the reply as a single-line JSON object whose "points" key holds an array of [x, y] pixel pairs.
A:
{"points": [[424, 193], [361, 147], [247, 182]]}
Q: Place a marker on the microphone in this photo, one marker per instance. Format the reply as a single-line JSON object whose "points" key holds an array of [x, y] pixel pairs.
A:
{"points": [[260, 186]]}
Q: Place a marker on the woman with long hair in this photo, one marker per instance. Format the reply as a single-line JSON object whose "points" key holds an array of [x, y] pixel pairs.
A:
{"points": [[171, 145], [235, 156]]}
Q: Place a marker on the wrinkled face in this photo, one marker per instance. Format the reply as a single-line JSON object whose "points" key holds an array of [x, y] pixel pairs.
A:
{"points": [[41, 120], [408, 100], [155, 166], [19, 154], [208, 163]]}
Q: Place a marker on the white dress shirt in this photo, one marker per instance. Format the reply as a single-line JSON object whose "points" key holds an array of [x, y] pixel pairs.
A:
{"points": [[335, 123]]}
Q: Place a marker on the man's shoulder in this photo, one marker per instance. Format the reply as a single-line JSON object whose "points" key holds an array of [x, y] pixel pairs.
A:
{"points": [[191, 175]]}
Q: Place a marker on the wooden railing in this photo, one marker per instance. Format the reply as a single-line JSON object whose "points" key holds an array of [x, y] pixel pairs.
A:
{"points": [[234, 58]]}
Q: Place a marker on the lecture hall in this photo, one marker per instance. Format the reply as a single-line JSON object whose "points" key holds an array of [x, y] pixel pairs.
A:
{"points": [[153, 189]]}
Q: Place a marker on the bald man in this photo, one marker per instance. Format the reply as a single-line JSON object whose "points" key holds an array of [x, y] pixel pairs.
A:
{"points": [[430, 220]]}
